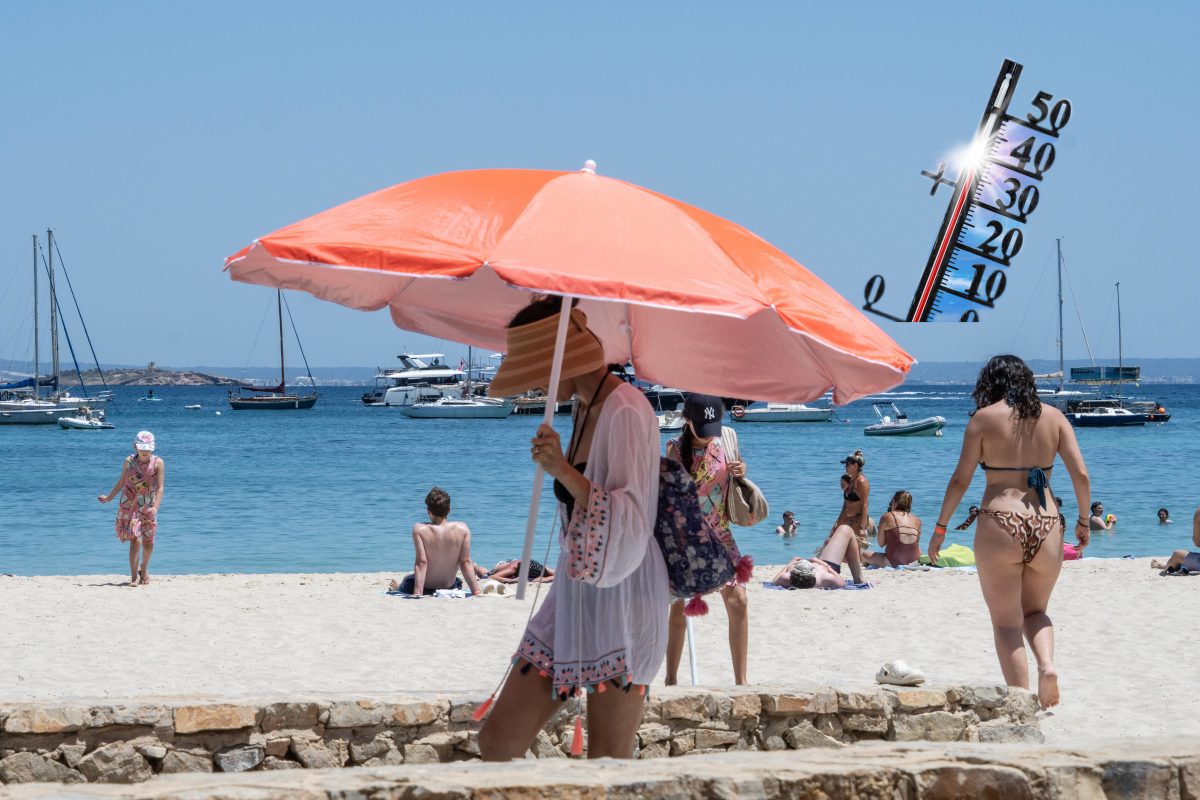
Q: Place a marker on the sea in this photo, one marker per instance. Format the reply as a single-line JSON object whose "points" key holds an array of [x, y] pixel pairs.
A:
{"points": [[337, 488]]}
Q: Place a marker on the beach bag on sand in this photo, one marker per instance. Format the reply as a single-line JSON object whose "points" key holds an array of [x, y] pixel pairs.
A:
{"points": [[697, 562], [745, 501]]}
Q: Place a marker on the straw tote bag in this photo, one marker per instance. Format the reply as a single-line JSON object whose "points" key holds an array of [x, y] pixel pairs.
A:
{"points": [[745, 501]]}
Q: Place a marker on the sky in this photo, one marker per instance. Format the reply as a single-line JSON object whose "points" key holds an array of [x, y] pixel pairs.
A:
{"points": [[158, 138]]}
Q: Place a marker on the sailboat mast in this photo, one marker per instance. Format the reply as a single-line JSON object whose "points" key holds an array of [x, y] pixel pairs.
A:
{"points": [[54, 363], [1120, 347], [1061, 373], [36, 354], [279, 309]]}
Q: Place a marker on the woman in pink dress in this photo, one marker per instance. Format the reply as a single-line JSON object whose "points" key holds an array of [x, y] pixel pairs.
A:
{"points": [[141, 487]]}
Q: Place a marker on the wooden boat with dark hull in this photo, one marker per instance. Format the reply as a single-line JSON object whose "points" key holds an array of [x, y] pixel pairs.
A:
{"points": [[274, 398]]}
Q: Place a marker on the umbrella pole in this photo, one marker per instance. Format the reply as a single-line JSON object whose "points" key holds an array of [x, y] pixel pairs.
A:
{"points": [[692, 652], [560, 344]]}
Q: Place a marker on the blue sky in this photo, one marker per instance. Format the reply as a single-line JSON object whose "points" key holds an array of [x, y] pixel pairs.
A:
{"points": [[157, 138]]}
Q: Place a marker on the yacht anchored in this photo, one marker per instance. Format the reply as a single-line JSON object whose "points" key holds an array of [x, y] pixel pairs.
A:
{"points": [[421, 377], [781, 412]]}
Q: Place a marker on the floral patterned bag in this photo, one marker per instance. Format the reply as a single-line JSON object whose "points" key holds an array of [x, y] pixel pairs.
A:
{"points": [[697, 562]]}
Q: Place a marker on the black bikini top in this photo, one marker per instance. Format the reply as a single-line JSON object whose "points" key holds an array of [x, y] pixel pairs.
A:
{"points": [[561, 493], [850, 494], [1036, 479]]}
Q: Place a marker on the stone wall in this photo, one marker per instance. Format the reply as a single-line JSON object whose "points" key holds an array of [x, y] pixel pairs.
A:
{"points": [[1130, 769], [126, 743]]}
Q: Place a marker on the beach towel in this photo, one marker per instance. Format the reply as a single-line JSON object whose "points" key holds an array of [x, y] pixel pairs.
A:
{"points": [[849, 585], [953, 555]]}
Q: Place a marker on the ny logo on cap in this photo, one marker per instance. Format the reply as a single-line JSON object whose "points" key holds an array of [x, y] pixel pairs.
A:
{"points": [[709, 413]]}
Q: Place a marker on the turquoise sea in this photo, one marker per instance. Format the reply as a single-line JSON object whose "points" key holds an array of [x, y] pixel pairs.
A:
{"points": [[338, 488]]}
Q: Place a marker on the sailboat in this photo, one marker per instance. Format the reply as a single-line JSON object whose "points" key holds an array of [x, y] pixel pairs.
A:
{"points": [[1060, 397], [1085, 409], [21, 402], [469, 406], [275, 398]]}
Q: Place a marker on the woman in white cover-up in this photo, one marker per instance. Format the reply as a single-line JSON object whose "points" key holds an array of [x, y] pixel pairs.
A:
{"points": [[602, 631]]}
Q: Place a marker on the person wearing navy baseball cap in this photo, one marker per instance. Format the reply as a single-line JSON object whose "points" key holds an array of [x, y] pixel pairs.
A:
{"points": [[704, 412], [702, 451]]}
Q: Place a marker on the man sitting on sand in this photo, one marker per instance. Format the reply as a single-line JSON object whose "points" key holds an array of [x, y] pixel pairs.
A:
{"points": [[442, 549], [1182, 559]]}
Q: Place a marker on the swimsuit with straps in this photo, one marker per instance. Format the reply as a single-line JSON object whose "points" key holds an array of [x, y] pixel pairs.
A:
{"points": [[1029, 530], [561, 492]]}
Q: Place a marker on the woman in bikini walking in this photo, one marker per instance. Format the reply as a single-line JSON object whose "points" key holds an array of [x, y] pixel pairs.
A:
{"points": [[1018, 544]]}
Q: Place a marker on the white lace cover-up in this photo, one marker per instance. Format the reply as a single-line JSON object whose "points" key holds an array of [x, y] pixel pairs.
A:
{"points": [[605, 617]]}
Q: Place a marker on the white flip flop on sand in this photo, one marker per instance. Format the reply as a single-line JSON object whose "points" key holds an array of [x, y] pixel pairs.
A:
{"points": [[897, 673]]}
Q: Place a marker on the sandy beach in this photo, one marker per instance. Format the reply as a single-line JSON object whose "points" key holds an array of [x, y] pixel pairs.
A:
{"points": [[1126, 654]]}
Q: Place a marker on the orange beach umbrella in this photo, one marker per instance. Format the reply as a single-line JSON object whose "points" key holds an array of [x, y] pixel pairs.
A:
{"points": [[693, 300]]}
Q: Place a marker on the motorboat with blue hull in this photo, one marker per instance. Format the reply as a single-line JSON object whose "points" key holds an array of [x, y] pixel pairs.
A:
{"points": [[894, 422], [1109, 413]]}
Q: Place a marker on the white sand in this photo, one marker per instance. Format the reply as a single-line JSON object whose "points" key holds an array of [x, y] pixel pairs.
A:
{"points": [[1128, 654]]}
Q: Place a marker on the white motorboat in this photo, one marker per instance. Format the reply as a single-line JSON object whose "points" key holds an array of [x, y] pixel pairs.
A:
{"points": [[781, 412], [194, 407], [422, 377], [34, 416], [459, 408], [668, 407], [11, 400], [85, 423], [894, 422]]}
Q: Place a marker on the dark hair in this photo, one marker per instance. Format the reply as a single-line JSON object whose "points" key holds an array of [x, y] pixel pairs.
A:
{"points": [[438, 502], [1097, 503], [846, 478], [1008, 378], [802, 579], [687, 442], [1164, 511], [543, 306], [902, 501]]}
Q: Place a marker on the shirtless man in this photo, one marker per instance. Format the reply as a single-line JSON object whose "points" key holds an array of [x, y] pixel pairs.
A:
{"points": [[1098, 520], [789, 526], [443, 548], [1182, 558]]}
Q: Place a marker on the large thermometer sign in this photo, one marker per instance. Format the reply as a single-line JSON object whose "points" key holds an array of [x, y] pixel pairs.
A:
{"points": [[998, 189]]}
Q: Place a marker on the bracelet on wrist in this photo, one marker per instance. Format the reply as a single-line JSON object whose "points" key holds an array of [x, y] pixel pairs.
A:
{"points": [[939, 528]]}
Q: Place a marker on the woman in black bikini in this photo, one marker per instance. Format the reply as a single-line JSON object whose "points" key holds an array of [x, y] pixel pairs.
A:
{"points": [[1018, 515], [855, 499]]}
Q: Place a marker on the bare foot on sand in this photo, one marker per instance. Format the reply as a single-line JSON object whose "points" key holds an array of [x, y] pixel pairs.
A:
{"points": [[1048, 687], [393, 586], [133, 579], [1158, 564], [145, 578]]}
